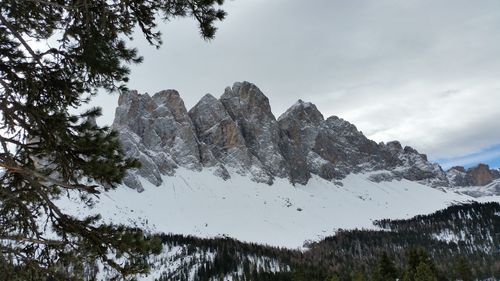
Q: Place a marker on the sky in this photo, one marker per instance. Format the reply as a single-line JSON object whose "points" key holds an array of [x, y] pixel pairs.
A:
{"points": [[423, 72]]}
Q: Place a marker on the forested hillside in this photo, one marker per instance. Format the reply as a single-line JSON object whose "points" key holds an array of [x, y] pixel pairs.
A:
{"points": [[460, 242]]}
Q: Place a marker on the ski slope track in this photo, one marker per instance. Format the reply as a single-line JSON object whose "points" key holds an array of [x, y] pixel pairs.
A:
{"points": [[204, 205]]}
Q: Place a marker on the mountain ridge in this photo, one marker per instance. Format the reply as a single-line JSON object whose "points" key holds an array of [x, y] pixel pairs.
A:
{"points": [[238, 133]]}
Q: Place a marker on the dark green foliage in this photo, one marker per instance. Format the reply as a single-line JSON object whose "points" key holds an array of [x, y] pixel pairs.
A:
{"points": [[474, 219], [385, 270], [463, 270], [409, 252], [420, 266], [46, 152], [423, 272], [230, 256], [358, 276], [359, 250]]}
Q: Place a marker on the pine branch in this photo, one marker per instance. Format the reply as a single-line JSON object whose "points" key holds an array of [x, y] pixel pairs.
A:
{"points": [[55, 4], [36, 92], [5, 86], [32, 240], [16, 34], [92, 189]]}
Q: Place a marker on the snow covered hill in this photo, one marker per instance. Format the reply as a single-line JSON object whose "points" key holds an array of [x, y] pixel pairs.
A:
{"points": [[204, 205], [482, 192], [228, 167]]}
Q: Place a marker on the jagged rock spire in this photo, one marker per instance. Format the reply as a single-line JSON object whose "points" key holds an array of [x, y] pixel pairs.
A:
{"points": [[251, 111]]}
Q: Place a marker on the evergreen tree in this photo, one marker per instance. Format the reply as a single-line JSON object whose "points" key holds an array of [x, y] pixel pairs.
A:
{"points": [[386, 270], [464, 270], [420, 266], [424, 272], [334, 278], [46, 152], [358, 276]]}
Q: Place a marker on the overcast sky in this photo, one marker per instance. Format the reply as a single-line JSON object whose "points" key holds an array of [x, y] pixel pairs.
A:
{"points": [[424, 72]]}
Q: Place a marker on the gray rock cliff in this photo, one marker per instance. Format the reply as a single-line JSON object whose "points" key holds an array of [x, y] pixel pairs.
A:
{"points": [[238, 133], [251, 111]]}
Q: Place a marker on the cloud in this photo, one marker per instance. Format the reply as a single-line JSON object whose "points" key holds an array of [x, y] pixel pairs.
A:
{"points": [[490, 155], [421, 71]]}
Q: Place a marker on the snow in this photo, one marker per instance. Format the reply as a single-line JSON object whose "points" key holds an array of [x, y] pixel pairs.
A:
{"points": [[297, 105], [204, 205], [449, 236], [491, 190]]}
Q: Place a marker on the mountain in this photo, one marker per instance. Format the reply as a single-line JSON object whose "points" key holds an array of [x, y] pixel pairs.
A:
{"points": [[238, 133], [476, 181], [228, 168]]}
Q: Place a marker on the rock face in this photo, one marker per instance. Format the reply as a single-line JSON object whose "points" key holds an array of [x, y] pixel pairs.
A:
{"points": [[300, 125], [479, 175], [251, 111], [222, 140], [238, 133], [476, 181], [158, 131]]}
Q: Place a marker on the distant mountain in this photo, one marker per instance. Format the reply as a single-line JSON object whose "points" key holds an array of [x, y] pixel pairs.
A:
{"points": [[476, 181], [238, 133]]}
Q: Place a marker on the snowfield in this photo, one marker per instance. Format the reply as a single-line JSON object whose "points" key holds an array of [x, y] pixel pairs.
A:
{"points": [[204, 205]]}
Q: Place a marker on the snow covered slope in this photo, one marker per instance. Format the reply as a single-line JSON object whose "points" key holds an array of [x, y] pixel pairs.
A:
{"points": [[483, 192], [227, 167], [204, 205]]}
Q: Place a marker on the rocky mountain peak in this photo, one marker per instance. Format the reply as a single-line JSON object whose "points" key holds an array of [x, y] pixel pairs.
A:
{"points": [[246, 99], [221, 141], [158, 131], [481, 175], [460, 169], [394, 146], [251, 111], [238, 133], [304, 112], [299, 125], [167, 97], [208, 112]]}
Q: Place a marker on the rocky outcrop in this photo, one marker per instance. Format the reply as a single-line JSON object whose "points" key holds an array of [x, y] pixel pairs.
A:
{"points": [[158, 131], [251, 111], [479, 175], [219, 134], [300, 126], [334, 148], [409, 164], [238, 133], [341, 144], [476, 181]]}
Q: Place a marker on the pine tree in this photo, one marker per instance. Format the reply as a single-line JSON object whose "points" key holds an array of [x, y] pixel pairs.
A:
{"points": [[334, 278], [464, 270], [46, 152], [358, 276], [386, 270], [424, 272], [420, 266]]}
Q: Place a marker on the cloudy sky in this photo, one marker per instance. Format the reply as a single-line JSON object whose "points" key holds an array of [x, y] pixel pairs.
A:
{"points": [[424, 72]]}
